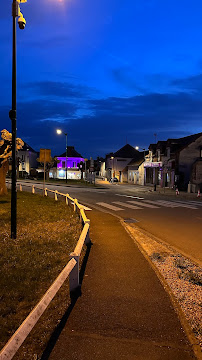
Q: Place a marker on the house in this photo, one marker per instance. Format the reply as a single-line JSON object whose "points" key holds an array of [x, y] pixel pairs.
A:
{"points": [[175, 162], [116, 163], [71, 163], [26, 159]]}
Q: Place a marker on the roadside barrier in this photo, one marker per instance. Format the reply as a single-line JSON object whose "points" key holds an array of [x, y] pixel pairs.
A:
{"points": [[71, 270]]}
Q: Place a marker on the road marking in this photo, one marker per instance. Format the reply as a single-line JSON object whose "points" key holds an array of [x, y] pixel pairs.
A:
{"points": [[175, 204], [108, 206], [197, 203], [127, 205], [130, 196], [166, 203], [84, 207], [143, 204]]}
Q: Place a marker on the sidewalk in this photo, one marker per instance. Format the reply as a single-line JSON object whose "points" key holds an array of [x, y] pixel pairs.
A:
{"points": [[123, 312]]}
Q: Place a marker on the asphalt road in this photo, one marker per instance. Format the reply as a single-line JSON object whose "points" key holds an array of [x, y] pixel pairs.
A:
{"points": [[174, 220]]}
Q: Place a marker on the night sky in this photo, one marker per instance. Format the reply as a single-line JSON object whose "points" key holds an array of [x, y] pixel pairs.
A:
{"points": [[106, 72]]}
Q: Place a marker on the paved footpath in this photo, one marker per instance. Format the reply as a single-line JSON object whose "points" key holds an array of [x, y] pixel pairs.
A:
{"points": [[124, 311]]}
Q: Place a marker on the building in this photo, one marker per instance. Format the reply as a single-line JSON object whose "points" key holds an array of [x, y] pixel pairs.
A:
{"points": [[26, 160], [175, 162], [116, 163], [72, 163]]}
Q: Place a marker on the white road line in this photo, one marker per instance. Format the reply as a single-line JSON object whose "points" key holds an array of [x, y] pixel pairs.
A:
{"points": [[84, 207], [175, 204], [166, 203], [197, 203], [143, 204], [127, 205], [130, 196], [108, 206], [160, 202]]}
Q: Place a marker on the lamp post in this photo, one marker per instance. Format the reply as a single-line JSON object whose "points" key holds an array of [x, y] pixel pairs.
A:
{"points": [[59, 132], [12, 113], [112, 158]]}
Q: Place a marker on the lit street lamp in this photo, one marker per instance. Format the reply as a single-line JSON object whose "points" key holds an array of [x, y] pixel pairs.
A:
{"points": [[138, 147], [12, 113], [59, 132]]}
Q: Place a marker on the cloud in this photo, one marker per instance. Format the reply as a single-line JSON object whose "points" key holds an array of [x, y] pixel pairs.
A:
{"points": [[191, 84], [97, 126]]}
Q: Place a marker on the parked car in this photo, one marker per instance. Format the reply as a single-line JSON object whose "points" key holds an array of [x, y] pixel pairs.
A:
{"points": [[113, 180]]}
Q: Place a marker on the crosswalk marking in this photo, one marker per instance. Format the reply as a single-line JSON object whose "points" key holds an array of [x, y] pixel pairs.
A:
{"points": [[190, 202], [130, 196], [127, 205], [143, 204], [109, 206], [179, 205], [162, 203]]}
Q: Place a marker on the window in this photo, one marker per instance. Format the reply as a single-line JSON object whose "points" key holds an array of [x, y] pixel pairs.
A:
{"points": [[201, 152], [159, 154], [63, 164]]}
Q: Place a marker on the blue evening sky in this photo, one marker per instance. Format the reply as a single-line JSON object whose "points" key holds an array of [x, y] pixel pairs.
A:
{"points": [[106, 72]]}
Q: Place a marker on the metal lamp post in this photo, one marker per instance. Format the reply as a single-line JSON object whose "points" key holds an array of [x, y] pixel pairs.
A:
{"points": [[61, 132], [12, 114]]}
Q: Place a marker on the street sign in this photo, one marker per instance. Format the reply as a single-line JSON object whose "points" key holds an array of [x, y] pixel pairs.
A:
{"points": [[45, 155]]}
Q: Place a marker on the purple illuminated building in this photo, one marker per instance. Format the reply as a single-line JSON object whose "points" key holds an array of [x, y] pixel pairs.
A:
{"points": [[73, 165]]}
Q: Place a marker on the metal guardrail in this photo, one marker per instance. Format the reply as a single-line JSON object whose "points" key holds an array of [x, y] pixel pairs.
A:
{"points": [[71, 270]]}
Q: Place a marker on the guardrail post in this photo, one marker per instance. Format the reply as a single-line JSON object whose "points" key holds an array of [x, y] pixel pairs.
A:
{"points": [[87, 239], [67, 201], [20, 187], [56, 195], [74, 274], [33, 189], [45, 192]]}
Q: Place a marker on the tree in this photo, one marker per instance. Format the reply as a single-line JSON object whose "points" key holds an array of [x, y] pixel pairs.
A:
{"points": [[5, 154]]}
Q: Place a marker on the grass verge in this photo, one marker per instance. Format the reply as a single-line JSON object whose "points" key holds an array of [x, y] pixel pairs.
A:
{"points": [[47, 232]]}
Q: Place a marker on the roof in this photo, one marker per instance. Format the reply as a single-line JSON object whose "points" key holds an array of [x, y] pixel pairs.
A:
{"points": [[71, 152], [127, 151], [27, 147]]}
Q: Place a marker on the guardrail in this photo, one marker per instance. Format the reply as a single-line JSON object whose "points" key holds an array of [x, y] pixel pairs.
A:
{"points": [[71, 270]]}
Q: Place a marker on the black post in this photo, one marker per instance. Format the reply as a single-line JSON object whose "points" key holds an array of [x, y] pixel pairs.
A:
{"points": [[12, 115]]}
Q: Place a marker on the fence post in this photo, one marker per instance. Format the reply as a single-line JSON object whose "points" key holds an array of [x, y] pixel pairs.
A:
{"points": [[33, 189], [56, 195], [67, 201], [74, 274], [20, 187], [87, 239]]}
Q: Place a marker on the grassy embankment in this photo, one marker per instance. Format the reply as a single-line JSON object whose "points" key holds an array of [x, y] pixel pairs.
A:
{"points": [[47, 232]]}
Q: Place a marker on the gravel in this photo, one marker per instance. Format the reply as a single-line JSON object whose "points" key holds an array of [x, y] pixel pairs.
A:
{"points": [[183, 277]]}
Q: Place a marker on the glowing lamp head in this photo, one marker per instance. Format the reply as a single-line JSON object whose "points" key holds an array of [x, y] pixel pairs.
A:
{"points": [[137, 147], [59, 132]]}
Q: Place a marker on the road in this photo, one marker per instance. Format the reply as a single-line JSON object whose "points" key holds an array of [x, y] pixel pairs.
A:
{"points": [[174, 220]]}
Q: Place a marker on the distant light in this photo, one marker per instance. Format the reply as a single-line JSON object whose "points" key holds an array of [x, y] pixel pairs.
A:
{"points": [[137, 147], [112, 157], [59, 131]]}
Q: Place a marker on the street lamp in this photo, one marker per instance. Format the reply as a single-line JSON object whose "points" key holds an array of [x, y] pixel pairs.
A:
{"points": [[138, 147], [12, 113], [112, 158], [59, 132]]}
